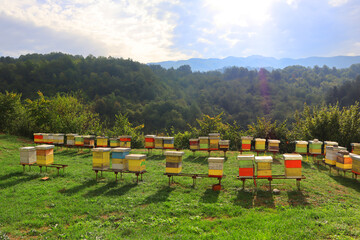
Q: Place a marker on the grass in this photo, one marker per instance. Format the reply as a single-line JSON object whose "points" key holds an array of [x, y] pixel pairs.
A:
{"points": [[75, 206]]}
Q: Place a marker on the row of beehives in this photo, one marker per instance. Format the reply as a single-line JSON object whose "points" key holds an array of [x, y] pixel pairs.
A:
{"points": [[212, 142], [43, 155], [317, 147], [72, 139], [159, 142], [339, 157]]}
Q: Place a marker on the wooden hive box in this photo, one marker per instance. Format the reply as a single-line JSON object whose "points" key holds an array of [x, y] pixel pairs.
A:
{"points": [[59, 138], [79, 140], [273, 145], [263, 166], [214, 139], [102, 141], [114, 142], [331, 154], [173, 161], [119, 162], [246, 143], [136, 162], [70, 139], [89, 140], [38, 137], [355, 148], [216, 165], [343, 160], [292, 165], [44, 154], [159, 142], [301, 147], [27, 155], [315, 146], [101, 158], [224, 145], [125, 141], [194, 144], [150, 141], [355, 163], [246, 165], [204, 143], [168, 142], [46, 138], [260, 144], [329, 143]]}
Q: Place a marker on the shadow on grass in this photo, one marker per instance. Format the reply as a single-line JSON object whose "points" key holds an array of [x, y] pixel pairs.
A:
{"points": [[245, 198], [160, 196], [156, 157], [305, 165], [10, 175], [348, 182], [18, 181], [78, 188], [297, 198], [210, 196], [264, 199], [122, 190], [100, 190], [197, 159]]}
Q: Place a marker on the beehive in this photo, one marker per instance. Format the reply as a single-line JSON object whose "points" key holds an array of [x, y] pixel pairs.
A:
{"points": [[125, 141], [136, 162], [216, 165], [159, 142], [89, 141], [70, 139], [102, 141], [59, 138], [355, 163], [263, 166], [344, 160], [292, 165], [194, 144], [118, 158], [246, 143], [101, 158], [173, 161], [48, 138], [315, 147], [329, 143], [214, 139], [301, 147], [260, 144], [204, 143], [168, 142], [44, 155], [150, 141], [114, 142], [246, 165], [331, 154], [27, 155], [273, 145], [79, 140], [38, 137], [224, 145], [355, 148]]}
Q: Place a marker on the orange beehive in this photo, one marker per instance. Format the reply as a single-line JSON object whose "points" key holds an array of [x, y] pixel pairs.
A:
{"points": [[44, 154], [150, 141]]}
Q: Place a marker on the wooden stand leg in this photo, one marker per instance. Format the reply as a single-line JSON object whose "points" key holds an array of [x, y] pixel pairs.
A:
{"points": [[116, 173], [270, 179], [243, 180], [298, 183], [96, 172], [169, 180]]}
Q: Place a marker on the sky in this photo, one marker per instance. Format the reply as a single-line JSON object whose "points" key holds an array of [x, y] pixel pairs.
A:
{"points": [[162, 30]]}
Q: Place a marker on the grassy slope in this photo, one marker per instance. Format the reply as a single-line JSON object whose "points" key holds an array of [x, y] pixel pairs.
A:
{"points": [[75, 206]]}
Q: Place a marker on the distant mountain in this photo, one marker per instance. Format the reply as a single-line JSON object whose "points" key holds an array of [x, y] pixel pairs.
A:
{"points": [[254, 62]]}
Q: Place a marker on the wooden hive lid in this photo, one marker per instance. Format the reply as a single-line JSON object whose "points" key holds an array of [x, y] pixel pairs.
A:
{"points": [[135, 156], [173, 153], [44, 147], [273, 141], [101, 149], [203, 137], [113, 138], [38, 134], [150, 136], [59, 134], [302, 142], [246, 157], [120, 149], [193, 139], [292, 156], [102, 137], [168, 138], [222, 142], [315, 141], [331, 143], [27, 149], [125, 136], [216, 160], [355, 144], [71, 134], [263, 159], [355, 157], [260, 139], [89, 136], [246, 138]]}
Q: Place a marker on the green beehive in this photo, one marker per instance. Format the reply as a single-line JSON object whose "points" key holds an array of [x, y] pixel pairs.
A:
{"points": [[315, 146], [301, 147]]}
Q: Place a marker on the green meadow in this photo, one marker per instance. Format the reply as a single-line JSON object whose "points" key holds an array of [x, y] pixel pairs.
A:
{"points": [[74, 205]]}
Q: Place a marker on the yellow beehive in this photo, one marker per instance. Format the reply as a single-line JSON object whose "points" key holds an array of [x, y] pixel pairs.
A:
{"points": [[102, 141], [216, 165], [27, 155], [260, 144], [38, 137], [204, 143], [355, 163], [101, 158], [263, 166], [70, 139], [292, 165], [159, 142], [114, 142], [79, 140], [44, 155], [136, 162], [214, 139], [355, 148], [273, 145], [150, 141], [331, 154], [343, 160], [59, 138], [125, 141], [168, 142], [329, 143], [173, 161]]}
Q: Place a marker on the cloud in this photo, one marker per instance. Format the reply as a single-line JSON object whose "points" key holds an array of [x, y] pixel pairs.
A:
{"points": [[337, 3]]}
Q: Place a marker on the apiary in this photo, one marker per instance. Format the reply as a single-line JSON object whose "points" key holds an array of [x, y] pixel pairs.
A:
{"points": [[292, 165], [101, 158], [273, 145], [125, 141], [331, 154], [79, 140], [214, 139], [204, 143], [216, 165], [59, 138], [150, 141], [224, 145], [301, 147], [89, 141], [168, 142], [194, 144], [315, 146], [260, 144], [70, 139], [329, 143], [246, 165], [173, 161], [136, 162], [355, 148], [102, 141], [118, 158], [44, 154], [27, 155], [355, 163], [263, 166], [246, 143], [114, 142], [38, 137], [344, 160]]}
